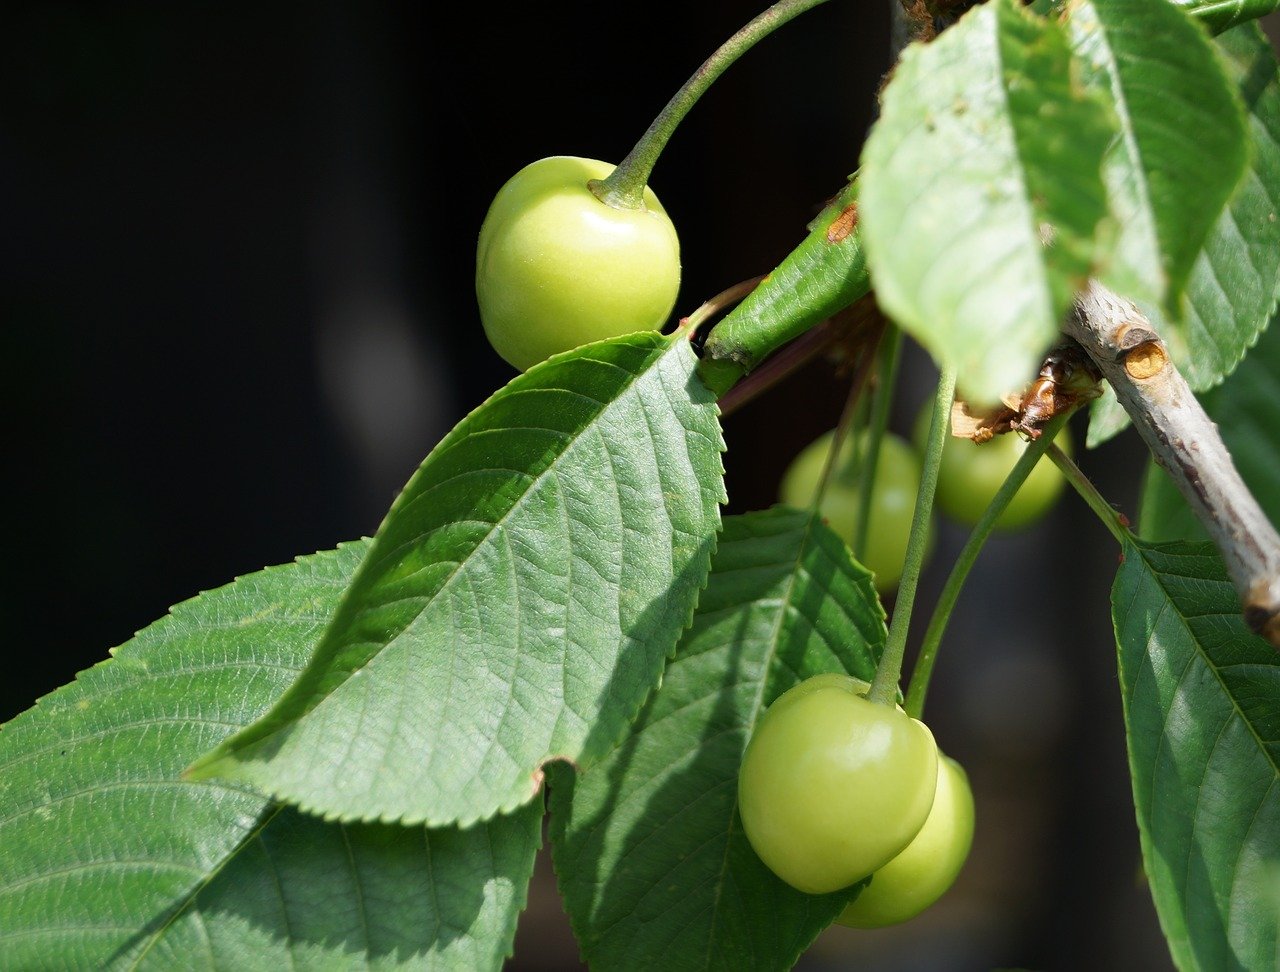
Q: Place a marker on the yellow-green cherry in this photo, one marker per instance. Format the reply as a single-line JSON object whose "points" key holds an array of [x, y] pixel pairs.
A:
{"points": [[922, 873], [557, 268], [833, 786]]}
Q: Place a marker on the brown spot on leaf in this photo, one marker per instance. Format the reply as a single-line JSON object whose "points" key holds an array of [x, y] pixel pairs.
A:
{"points": [[843, 224]]}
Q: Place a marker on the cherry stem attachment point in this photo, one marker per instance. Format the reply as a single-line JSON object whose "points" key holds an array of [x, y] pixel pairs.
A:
{"points": [[884, 688], [624, 187], [968, 556], [789, 359]]}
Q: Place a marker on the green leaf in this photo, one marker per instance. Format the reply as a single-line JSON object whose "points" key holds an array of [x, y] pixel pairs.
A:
{"points": [[822, 276], [1107, 417], [1181, 150], [1219, 15], [519, 601], [652, 861], [1202, 710], [981, 194], [1236, 278], [108, 859], [1246, 409], [316, 895]]}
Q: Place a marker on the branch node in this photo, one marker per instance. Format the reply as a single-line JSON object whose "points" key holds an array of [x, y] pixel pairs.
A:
{"points": [[1186, 443], [1146, 360]]}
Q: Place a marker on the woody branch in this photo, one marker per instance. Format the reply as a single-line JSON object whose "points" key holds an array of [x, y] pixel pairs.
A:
{"points": [[1185, 441]]}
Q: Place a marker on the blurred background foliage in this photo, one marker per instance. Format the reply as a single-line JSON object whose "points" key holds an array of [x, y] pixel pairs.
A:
{"points": [[236, 295]]}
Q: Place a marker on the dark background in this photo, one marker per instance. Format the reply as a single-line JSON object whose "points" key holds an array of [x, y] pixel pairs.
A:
{"points": [[236, 296]]}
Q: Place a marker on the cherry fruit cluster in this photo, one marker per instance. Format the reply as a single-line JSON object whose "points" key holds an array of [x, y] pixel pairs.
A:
{"points": [[835, 788]]}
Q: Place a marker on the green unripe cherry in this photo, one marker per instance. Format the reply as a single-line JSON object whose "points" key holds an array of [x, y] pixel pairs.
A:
{"points": [[971, 474], [833, 786], [922, 873], [893, 499], [557, 268]]}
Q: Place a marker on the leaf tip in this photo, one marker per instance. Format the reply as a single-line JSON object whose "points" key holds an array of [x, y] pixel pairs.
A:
{"points": [[212, 764]]}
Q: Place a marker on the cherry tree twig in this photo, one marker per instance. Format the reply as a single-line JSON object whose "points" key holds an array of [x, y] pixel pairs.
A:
{"points": [[1185, 441]]}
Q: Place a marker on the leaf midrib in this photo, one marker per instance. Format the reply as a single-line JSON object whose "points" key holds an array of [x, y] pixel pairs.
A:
{"points": [[1222, 685], [655, 354], [1120, 100], [187, 902]]}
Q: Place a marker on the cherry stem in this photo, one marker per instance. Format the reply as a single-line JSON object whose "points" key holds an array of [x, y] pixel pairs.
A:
{"points": [[879, 421], [884, 688], [1111, 518], [624, 187], [846, 422], [709, 308], [982, 530]]}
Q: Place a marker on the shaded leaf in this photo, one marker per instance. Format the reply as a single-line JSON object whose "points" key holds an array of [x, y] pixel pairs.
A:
{"points": [[519, 601], [652, 861], [1236, 278], [313, 895], [981, 193], [1202, 711], [1234, 284], [108, 859], [1219, 15], [1181, 150], [1107, 417]]}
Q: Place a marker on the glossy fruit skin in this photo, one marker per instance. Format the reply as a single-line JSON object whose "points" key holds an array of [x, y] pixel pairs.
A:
{"points": [[834, 786], [971, 474], [557, 268], [892, 505], [922, 873]]}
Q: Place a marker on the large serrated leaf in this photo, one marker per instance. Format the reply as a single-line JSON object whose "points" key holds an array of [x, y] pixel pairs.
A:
{"points": [[1236, 278], [1202, 711], [650, 854], [519, 601], [109, 860], [1181, 150], [982, 192], [1246, 409]]}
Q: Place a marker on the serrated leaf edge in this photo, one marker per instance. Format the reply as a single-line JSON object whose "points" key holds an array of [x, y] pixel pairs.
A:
{"points": [[220, 762], [777, 510]]}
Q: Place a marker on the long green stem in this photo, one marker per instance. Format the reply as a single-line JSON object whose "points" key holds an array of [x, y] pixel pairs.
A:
{"points": [[624, 187], [884, 688], [1112, 519], [880, 405], [848, 415], [982, 530]]}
